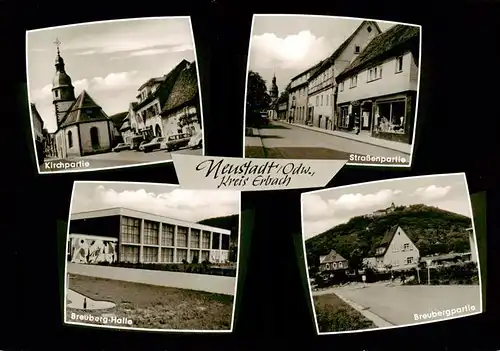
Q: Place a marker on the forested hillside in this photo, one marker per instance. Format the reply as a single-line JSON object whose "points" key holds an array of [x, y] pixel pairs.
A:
{"points": [[434, 231]]}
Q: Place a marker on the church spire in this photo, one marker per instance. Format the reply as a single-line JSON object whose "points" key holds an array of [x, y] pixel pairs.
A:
{"points": [[63, 93]]}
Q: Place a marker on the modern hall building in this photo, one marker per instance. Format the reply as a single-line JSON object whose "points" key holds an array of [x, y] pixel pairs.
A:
{"points": [[143, 237]]}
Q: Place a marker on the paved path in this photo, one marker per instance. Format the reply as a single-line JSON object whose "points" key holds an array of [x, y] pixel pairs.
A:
{"points": [[291, 141], [122, 158], [398, 304], [76, 300]]}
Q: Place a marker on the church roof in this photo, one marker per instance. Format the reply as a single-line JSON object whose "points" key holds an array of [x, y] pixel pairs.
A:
{"points": [[185, 88], [84, 109]]}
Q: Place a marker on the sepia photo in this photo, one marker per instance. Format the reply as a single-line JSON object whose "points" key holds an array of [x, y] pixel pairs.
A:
{"points": [[322, 87], [148, 256], [391, 253], [113, 94]]}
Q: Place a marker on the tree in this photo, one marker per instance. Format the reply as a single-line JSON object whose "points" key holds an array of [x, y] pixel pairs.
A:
{"points": [[285, 94], [257, 96]]}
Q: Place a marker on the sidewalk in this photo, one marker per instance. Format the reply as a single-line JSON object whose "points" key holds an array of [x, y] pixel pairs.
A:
{"points": [[391, 145], [254, 140]]}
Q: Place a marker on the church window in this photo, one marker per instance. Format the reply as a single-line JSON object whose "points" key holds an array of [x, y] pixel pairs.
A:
{"points": [[94, 137], [70, 139], [56, 94]]}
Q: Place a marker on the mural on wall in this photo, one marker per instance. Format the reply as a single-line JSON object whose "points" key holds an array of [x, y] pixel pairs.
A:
{"points": [[89, 250]]}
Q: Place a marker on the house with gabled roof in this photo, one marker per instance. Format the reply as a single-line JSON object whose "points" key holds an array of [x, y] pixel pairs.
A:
{"points": [[377, 92], [181, 112], [151, 98], [396, 252], [85, 129], [332, 262], [321, 83]]}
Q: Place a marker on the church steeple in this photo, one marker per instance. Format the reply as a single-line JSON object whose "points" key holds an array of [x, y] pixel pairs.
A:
{"points": [[273, 92], [63, 92]]}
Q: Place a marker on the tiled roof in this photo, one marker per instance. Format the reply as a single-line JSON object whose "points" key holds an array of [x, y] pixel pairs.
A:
{"points": [[119, 118], [77, 113], [330, 60], [185, 88], [312, 68], [382, 46], [333, 256]]}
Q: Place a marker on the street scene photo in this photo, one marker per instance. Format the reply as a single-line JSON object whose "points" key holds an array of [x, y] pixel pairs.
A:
{"points": [[112, 94], [323, 87], [391, 253], [147, 256]]}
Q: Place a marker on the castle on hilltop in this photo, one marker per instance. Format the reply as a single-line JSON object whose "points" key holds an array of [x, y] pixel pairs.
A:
{"points": [[383, 212]]}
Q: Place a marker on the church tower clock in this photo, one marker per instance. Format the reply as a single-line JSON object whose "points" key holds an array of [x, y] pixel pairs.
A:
{"points": [[63, 92]]}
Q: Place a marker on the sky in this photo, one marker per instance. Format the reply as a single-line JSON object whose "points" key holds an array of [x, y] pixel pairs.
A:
{"points": [[110, 60], [288, 45], [161, 199], [327, 209]]}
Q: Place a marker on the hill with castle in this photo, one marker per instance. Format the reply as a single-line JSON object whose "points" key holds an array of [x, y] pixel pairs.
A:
{"points": [[432, 230]]}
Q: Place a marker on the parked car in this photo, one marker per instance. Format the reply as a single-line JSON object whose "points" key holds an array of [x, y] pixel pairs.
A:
{"points": [[196, 140], [120, 147], [141, 145], [176, 141], [135, 142], [155, 144]]}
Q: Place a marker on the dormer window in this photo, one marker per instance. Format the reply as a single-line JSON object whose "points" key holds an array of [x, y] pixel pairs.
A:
{"points": [[357, 49]]}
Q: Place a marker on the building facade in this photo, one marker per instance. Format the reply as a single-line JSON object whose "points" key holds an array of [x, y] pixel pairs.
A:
{"points": [[91, 250], [378, 90], [181, 112], [473, 245], [38, 132], [297, 98], [396, 252], [282, 110], [142, 237], [151, 99], [322, 88]]}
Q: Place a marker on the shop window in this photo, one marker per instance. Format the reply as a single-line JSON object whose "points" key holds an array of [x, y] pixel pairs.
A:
{"points": [[391, 117]]}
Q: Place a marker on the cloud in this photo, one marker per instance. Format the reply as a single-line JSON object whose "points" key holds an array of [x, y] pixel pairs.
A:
{"points": [[297, 51], [159, 51], [113, 81], [315, 207], [83, 53], [432, 192], [191, 205]]}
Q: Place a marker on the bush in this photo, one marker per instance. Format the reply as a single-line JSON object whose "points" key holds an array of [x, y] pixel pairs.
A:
{"points": [[461, 274], [200, 268]]}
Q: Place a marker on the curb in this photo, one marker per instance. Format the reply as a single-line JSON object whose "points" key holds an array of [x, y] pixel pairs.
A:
{"points": [[365, 311], [346, 137]]}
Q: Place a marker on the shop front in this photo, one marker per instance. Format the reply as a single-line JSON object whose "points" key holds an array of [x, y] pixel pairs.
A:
{"points": [[394, 117]]}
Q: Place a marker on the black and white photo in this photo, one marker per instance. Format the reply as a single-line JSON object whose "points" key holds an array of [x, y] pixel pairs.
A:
{"points": [[113, 94], [391, 253], [148, 256], [321, 87]]}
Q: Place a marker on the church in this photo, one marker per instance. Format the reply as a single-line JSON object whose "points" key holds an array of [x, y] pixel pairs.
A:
{"points": [[83, 128]]}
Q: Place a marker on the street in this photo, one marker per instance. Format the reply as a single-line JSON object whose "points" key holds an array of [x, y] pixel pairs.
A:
{"points": [[291, 142], [114, 159], [398, 304]]}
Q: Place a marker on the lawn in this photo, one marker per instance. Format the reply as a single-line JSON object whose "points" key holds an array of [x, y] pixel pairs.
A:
{"points": [[334, 315], [155, 307]]}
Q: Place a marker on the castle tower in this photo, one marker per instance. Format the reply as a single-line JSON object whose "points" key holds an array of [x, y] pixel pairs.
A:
{"points": [[63, 92]]}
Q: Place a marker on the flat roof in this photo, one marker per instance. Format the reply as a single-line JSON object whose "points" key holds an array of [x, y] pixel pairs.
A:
{"points": [[94, 237], [121, 211]]}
